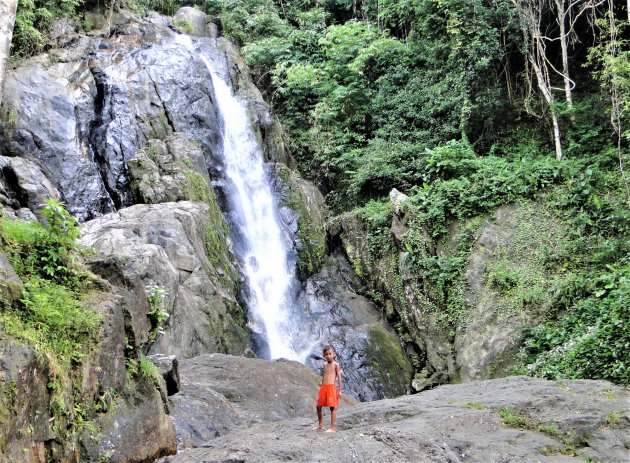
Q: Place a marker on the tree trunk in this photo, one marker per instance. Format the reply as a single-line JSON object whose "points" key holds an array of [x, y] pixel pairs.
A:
{"points": [[548, 96], [564, 39], [7, 19]]}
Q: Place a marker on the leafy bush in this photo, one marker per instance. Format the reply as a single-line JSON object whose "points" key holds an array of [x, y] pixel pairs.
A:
{"points": [[50, 316], [155, 297], [591, 341], [55, 321], [48, 252], [32, 20]]}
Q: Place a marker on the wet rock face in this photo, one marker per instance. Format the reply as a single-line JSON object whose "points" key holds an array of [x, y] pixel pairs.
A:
{"points": [[371, 357], [80, 114], [563, 422]]}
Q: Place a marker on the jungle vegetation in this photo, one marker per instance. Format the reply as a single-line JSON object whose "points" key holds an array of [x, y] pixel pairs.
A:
{"points": [[464, 106]]}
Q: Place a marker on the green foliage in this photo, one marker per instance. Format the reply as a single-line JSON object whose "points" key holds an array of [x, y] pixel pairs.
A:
{"points": [[54, 321], [51, 316], [475, 405], [514, 419], [155, 297], [167, 7], [49, 252], [32, 20], [148, 369], [592, 340]]}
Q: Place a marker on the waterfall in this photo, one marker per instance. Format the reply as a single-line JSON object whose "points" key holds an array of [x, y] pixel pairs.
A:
{"points": [[269, 273]]}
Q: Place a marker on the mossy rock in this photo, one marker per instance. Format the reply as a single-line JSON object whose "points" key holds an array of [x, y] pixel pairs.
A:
{"points": [[307, 202], [389, 362]]}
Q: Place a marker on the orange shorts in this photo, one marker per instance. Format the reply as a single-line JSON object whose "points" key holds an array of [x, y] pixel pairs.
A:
{"points": [[328, 396]]}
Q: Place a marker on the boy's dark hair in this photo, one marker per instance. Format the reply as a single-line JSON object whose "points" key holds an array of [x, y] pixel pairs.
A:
{"points": [[328, 347]]}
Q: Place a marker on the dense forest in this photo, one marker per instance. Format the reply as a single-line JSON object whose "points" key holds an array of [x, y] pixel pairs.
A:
{"points": [[463, 106]]}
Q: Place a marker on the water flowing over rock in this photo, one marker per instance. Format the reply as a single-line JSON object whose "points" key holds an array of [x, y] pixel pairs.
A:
{"points": [[267, 266]]}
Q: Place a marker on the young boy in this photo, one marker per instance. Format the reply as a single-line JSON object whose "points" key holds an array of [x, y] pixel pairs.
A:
{"points": [[328, 395]]}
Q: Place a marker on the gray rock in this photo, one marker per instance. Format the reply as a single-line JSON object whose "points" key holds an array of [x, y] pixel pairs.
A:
{"points": [[169, 369], [396, 198], [24, 399], [171, 170], [456, 424], [192, 21], [404, 300], [373, 362], [488, 339], [11, 285], [222, 394], [136, 429], [23, 184], [83, 112], [52, 110], [164, 245]]}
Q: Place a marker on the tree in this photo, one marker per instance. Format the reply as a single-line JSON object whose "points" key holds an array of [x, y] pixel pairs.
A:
{"points": [[536, 17], [531, 19], [8, 9]]}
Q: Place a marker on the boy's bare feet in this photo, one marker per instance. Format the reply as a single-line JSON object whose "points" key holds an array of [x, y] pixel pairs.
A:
{"points": [[330, 430], [318, 427]]}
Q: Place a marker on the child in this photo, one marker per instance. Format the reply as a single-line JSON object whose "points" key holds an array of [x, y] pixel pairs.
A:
{"points": [[328, 395]]}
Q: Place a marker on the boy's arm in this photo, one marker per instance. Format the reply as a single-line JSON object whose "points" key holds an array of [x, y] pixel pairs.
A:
{"points": [[338, 371]]}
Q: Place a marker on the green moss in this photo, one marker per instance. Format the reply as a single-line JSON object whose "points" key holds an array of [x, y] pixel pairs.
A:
{"points": [[152, 153], [614, 418], [148, 369], [514, 419], [197, 189], [388, 361], [475, 405], [523, 272], [184, 26], [312, 236]]}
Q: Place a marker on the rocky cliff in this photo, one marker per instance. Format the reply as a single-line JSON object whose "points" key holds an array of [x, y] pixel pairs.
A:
{"points": [[122, 125], [460, 303]]}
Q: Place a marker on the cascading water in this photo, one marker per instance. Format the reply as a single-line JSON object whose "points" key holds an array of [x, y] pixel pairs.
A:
{"points": [[268, 270]]}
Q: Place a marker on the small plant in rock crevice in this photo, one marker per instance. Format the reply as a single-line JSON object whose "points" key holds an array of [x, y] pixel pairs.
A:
{"points": [[155, 297]]}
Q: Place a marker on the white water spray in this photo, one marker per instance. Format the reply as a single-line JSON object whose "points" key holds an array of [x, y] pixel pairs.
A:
{"points": [[266, 265]]}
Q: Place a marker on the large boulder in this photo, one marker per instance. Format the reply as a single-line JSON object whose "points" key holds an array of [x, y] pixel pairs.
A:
{"points": [[104, 407], [23, 185], [222, 394], [400, 294], [174, 246], [471, 329]]}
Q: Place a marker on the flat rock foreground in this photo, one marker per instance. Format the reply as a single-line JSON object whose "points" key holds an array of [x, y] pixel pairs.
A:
{"points": [[232, 409]]}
